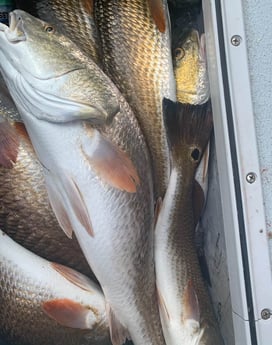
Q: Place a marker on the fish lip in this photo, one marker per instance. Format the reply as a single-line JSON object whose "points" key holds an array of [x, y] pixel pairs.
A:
{"points": [[15, 31]]}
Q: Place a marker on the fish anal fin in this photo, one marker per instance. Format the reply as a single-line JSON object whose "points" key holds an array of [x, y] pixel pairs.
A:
{"points": [[111, 164], [58, 207], [198, 201], [67, 313], [9, 144], [162, 306], [191, 313], [73, 276], [118, 332], [158, 15]]}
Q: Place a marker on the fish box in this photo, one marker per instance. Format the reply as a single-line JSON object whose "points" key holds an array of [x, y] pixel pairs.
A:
{"points": [[237, 230], [237, 222]]}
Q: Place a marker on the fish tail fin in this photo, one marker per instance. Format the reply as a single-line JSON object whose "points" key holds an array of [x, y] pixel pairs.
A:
{"points": [[188, 129]]}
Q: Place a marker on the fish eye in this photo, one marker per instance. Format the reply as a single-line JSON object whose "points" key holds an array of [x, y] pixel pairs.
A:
{"points": [[179, 53], [49, 29], [195, 154]]}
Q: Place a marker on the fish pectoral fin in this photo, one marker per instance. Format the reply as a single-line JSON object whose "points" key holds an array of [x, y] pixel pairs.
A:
{"points": [[9, 144], [118, 332], [158, 15], [65, 197], [110, 163], [73, 277], [67, 313], [191, 314], [162, 306]]}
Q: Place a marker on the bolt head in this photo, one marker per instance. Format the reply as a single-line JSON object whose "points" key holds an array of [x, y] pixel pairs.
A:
{"points": [[236, 40], [265, 314], [251, 177]]}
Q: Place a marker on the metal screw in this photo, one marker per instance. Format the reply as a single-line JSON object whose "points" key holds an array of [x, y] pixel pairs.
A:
{"points": [[265, 314], [251, 177], [236, 40]]}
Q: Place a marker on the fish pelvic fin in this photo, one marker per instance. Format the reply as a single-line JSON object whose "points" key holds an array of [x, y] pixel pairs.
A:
{"points": [[162, 306], [158, 14], [188, 129], [65, 196], [67, 313], [58, 206], [118, 332], [73, 276], [110, 163], [191, 313], [9, 144]]}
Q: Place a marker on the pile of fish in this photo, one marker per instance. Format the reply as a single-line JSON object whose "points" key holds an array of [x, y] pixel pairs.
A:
{"points": [[104, 137]]}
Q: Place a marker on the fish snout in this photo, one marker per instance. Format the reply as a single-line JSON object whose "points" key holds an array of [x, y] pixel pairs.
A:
{"points": [[15, 31]]}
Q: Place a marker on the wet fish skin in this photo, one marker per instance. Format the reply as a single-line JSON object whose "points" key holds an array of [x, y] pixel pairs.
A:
{"points": [[29, 285], [137, 57], [73, 18], [185, 307], [112, 213], [190, 69], [25, 213]]}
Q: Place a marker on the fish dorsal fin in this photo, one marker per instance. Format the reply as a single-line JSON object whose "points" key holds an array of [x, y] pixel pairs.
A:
{"points": [[162, 306], [191, 313], [111, 164], [58, 206], [9, 144], [67, 313], [158, 14], [73, 276], [118, 332], [198, 201]]}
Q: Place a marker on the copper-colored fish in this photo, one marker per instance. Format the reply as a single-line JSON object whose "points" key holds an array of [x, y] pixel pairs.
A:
{"points": [[136, 45], [96, 167], [46, 303], [185, 307]]}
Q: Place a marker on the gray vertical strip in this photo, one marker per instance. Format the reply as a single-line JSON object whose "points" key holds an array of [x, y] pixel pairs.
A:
{"points": [[239, 203]]}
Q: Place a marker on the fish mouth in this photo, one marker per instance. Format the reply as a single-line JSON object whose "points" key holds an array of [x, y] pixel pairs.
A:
{"points": [[15, 31]]}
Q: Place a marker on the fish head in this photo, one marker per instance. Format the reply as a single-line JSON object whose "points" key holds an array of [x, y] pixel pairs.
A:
{"points": [[191, 70], [32, 40], [46, 73]]}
